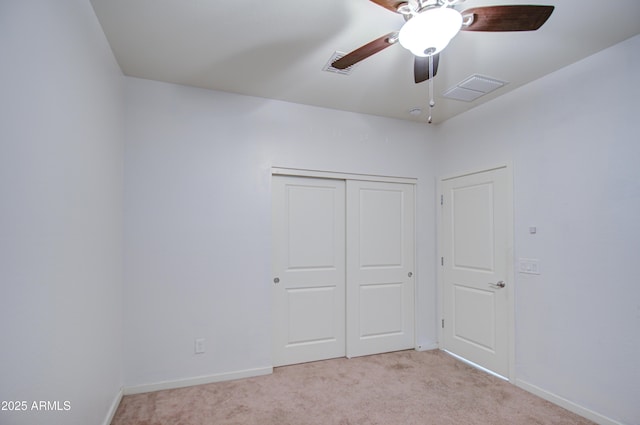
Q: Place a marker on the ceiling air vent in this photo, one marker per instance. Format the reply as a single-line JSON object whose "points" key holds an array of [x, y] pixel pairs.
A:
{"points": [[473, 87], [337, 55]]}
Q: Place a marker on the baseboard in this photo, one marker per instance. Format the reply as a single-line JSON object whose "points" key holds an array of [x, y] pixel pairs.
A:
{"points": [[427, 346], [198, 380], [569, 405], [114, 406]]}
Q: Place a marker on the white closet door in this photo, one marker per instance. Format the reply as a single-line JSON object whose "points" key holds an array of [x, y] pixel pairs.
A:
{"points": [[380, 267], [309, 269]]}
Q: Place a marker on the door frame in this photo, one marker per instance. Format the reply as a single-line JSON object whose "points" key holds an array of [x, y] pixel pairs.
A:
{"points": [[299, 172], [510, 272]]}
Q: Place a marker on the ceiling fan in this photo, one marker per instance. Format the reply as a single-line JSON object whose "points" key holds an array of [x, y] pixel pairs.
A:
{"points": [[431, 24]]}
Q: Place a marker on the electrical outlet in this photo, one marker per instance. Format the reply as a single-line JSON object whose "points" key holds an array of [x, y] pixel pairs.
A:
{"points": [[199, 346]]}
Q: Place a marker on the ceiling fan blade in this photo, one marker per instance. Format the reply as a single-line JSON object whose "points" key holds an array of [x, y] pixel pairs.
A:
{"points": [[391, 5], [507, 18], [421, 68], [365, 51]]}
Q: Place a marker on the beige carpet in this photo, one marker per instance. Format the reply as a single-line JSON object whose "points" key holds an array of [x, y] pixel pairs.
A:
{"points": [[403, 388]]}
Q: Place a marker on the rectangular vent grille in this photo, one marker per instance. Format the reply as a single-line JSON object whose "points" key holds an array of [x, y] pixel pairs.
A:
{"points": [[473, 87], [337, 55]]}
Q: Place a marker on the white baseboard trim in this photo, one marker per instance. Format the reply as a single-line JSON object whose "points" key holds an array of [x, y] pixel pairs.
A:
{"points": [[427, 346], [198, 380], [569, 405], [114, 406]]}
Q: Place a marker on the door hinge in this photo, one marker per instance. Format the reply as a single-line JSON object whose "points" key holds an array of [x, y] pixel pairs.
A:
{"points": [[442, 323], [442, 261], [441, 199]]}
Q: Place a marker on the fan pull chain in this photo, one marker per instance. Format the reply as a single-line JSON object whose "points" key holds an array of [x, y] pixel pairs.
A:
{"points": [[432, 103]]}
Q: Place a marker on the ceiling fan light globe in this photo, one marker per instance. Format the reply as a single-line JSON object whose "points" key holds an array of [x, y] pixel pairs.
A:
{"points": [[430, 32]]}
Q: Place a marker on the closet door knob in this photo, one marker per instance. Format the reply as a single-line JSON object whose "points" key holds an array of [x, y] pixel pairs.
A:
{"points": [[410, 274]]}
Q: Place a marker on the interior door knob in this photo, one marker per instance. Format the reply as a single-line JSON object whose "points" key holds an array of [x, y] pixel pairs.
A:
{"points": [[500, 284]]}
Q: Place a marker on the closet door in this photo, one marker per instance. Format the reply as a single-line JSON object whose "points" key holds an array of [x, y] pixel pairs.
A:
{"points": [[380, 267], [308, 217]]}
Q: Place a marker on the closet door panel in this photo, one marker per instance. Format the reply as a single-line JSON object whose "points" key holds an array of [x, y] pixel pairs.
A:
{"points": [[308, 217], [380, 267]]}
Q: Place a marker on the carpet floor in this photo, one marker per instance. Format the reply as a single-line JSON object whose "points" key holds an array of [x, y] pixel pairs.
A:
{"points": [[403, 388]]}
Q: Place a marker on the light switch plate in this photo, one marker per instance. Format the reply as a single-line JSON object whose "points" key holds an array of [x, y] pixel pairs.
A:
{"points": [[199, 346], [529, 265]]}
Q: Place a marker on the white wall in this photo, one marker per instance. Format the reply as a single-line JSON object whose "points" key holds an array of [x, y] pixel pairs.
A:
{"points": [[573, 137], [61, 176], [198, 225]]}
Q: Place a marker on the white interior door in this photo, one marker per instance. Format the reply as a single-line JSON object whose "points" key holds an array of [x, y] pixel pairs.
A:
{"points": [[309, 269], [476, 242], [380, 267]]}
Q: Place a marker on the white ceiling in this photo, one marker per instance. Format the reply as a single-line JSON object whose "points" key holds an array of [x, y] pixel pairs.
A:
{"points": [[276, 49]]}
